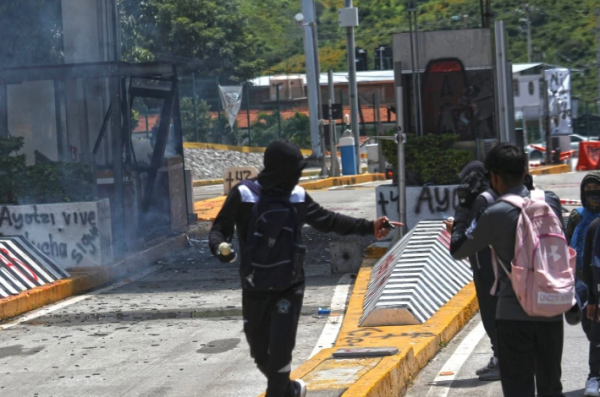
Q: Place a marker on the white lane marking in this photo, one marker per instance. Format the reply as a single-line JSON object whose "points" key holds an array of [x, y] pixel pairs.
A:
{"points": [[71, 301], [441, 384], [334, 322]]}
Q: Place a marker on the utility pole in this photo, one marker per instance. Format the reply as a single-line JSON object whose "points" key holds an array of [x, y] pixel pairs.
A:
{"points": [[349, 20], [527, 20], [332, 141], [547, 127], [304, 20], [278, 111]]}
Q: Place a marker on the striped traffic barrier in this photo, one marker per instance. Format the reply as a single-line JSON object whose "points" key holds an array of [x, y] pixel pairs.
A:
{"points": [[24, 267], [576, 203], [414, 279]]}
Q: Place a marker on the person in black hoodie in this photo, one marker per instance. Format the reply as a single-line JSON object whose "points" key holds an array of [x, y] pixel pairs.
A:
{"points": [[581, 233], [270, 326], [481, 264]]}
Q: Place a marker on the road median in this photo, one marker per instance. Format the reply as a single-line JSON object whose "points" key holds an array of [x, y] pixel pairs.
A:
{"points": [[551, 169], [383, 376]]}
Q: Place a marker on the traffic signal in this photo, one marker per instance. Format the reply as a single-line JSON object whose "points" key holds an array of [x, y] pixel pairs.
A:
{"points": [[362, 59]]}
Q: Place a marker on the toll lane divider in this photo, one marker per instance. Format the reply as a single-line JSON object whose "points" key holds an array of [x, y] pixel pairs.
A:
{"points": [[86, 279], [551, 169], [207, 210], [212, 182], [383, 376], [242, 149]]}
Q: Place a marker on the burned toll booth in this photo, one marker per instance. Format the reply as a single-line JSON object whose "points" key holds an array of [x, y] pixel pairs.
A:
{"points": [[87, 113], [448, 85]]}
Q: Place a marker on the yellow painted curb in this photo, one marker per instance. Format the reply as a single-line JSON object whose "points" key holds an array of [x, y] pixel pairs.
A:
{"points": [[62, 289], [417, 344], [342, 181], [208, 182], [551, 169], [207, 210], [243, 149], [212, 182]]}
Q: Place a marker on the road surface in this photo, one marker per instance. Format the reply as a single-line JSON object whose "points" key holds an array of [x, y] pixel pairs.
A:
{"points": [[176, 331]]}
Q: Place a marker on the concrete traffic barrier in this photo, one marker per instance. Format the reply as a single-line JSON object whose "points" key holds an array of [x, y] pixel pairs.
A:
{"points": [[551, 169], [414, 279], [24, 267]]}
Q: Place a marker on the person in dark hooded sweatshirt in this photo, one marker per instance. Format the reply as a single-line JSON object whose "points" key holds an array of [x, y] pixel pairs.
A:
{"points": [[581, 232], [481, 264], [271, 317]]}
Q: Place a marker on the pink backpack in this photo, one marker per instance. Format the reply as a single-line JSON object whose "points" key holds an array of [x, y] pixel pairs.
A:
{"points": [[543, 269]]}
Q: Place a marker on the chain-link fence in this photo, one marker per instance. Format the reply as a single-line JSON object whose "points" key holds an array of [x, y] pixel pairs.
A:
{"points": [[263, 116]]}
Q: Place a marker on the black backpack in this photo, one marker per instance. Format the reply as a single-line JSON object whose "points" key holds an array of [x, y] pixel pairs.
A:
{"points": [[273, 256]]}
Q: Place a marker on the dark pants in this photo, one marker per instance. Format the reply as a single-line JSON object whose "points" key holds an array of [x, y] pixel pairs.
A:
{"points": [[484, 281], [270, 325], [530, 354], [592, 331]]}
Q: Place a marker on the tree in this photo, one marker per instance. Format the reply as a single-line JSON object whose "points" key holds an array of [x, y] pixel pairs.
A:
{"points": [[12, 167], [208, 37], [295, 129]]}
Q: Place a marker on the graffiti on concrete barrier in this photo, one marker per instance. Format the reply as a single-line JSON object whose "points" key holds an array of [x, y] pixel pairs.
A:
{"points": [[422, 203], [437, 199], [78, 234], [358, 336], [233, 176]]}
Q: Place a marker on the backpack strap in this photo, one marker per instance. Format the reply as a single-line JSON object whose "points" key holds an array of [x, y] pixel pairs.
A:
{"points": [[513, 199], [488, 197], [537, 195], [253, 186]]}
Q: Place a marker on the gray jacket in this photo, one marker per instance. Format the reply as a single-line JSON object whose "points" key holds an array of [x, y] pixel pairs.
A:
{"points": [[496, 227], [482, 258]]}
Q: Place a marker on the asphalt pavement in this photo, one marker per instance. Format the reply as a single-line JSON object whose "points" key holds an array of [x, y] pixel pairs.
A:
{"points": [[176, 331], [465, 382]]}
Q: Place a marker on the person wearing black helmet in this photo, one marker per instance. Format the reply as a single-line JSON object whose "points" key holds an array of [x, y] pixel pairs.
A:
{"points": [[268, 213]]}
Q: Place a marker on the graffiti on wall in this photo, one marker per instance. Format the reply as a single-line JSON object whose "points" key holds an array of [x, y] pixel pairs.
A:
{"points": [[458, 101], [75, 234]]}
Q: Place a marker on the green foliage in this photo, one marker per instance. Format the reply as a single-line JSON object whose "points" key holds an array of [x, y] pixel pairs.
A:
{"points": [[430, 159], [41, 183], [11, 166], [210, 37], [206, 125], [55, 183], [562, 31], [295, 129]]}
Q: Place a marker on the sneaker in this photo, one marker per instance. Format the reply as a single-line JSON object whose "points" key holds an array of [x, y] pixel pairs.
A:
{"points": [[491, 365], [300, 388], [491, 376], [591, 387]]}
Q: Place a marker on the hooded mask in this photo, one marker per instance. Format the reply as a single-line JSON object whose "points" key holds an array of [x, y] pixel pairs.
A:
{"points": [[283, 168], [477, 169], [591, 198]]}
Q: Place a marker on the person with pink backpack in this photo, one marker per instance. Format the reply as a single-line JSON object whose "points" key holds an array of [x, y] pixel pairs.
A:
{"points": [[535, 274]]}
